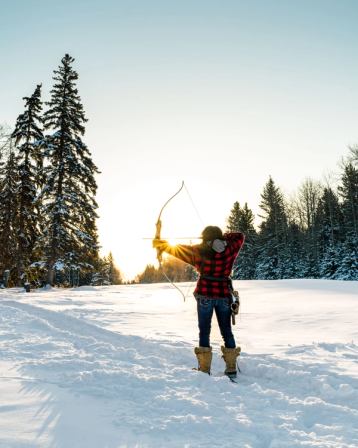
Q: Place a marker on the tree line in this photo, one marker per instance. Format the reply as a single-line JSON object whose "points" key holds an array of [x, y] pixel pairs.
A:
{"points": [[311, 235], [48, 210], [48, 232]]}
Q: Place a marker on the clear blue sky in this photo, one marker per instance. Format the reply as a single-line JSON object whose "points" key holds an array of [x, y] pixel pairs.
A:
{"points": [[218, 93]]}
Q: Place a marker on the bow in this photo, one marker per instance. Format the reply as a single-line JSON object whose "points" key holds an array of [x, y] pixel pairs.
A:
{"points": [[158, 227]]}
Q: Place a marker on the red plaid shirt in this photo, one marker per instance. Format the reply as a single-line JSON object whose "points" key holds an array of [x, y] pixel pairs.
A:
{"points": [[219, 266]]}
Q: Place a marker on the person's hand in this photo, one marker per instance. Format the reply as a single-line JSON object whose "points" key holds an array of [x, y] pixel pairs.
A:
{"points": [[158, 244]]}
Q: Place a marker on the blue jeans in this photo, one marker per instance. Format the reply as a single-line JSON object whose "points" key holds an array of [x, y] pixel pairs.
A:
{"points": [[222, 307]]}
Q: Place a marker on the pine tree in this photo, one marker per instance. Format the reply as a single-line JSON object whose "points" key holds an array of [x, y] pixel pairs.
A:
{"points": [[348, 190], [175, 269], [9, 184], [294, 262], [349, 193], [70, 236], [242, 220], [115, 277], [234, 219], [150, 275], [101, 276], [106, 272], [329, 223], [273, 233], [348, 260], [329, 219], [27, 136]]}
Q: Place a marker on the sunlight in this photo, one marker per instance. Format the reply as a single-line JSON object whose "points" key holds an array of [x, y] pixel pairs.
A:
{"points": [[132, 246], [185, 240], [129, 236]]}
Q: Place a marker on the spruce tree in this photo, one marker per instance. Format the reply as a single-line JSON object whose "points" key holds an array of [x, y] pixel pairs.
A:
{"points": [[347, 268], [27, 136], [329, 222], [294, 263], [150, 275], [329, 219], [70, 236], [348, 190], [107, 272], [233, 221], [115, 277], [349, 194], [101, 275], [273, 233], [242, 220], [9, 184]]}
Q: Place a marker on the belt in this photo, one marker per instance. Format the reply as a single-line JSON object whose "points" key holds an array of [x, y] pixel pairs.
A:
{"points": [[215, 279]]}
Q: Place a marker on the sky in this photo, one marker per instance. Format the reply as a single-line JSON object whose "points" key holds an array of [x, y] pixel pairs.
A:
{"points": [[218, 94]]}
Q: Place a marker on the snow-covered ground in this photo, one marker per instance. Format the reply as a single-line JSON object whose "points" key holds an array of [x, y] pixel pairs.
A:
{"points": [[110, 367]]}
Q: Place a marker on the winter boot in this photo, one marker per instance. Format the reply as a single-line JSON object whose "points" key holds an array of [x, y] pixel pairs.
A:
{"points": [[204, 355], [230, 355]]}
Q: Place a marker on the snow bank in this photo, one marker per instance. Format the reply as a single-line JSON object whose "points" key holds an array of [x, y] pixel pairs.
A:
{"points": [[111, 367]]}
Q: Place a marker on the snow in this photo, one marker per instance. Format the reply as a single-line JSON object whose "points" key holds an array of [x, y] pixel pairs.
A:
{"points": [[110, 366]]}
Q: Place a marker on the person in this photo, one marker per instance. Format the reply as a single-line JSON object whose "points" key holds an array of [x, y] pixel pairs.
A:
{"points": [[213, 258]]}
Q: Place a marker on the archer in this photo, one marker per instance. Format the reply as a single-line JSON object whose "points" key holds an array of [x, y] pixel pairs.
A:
{"points": [[213, 259]]}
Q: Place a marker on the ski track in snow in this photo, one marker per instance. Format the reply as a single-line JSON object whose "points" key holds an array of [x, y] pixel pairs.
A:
{"points": [[141, 390]]}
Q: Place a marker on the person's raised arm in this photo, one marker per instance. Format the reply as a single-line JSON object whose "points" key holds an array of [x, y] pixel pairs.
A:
{"points": [[235, 239]]}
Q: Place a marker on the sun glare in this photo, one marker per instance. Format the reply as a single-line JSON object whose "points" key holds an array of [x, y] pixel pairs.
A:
{"points": [[132, 246], [185, 240]]}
